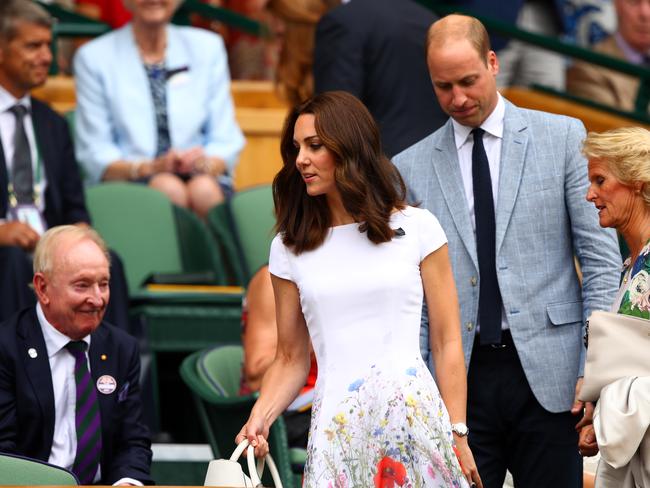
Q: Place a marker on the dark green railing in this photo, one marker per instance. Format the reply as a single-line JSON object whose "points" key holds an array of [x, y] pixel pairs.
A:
{"points": [[228, 17], [72, 24], [508, 30]]}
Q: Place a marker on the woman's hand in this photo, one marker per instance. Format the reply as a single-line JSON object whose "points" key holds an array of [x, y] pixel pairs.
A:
{"points": [[467, 463], [256, 430]]}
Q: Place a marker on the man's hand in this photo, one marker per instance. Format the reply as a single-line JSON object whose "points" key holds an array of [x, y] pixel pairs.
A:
{"points": [[18, 234], [587, 444]]}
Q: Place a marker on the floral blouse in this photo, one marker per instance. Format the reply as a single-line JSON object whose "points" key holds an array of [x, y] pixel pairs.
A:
{"points": [[635, 286]]}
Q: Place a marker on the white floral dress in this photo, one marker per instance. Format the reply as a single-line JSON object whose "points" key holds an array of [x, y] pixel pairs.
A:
{"points": [[377, 419]]}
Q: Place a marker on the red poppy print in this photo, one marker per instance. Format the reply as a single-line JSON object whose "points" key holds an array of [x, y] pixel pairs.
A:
{"points": [[389, 473]]}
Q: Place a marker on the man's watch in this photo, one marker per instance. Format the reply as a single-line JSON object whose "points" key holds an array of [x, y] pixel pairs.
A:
{"points": [[460, 429]]}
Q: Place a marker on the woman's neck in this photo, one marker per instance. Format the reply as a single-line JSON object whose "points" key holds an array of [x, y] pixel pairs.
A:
{"points": [[339, 215], [151, 42], [637, 232]]}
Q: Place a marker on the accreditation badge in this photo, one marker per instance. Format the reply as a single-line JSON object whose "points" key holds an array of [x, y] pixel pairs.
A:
{"points": [[29, 214]]}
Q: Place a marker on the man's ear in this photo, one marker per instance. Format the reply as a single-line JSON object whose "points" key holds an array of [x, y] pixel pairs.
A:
{"points": [[41, 287]]}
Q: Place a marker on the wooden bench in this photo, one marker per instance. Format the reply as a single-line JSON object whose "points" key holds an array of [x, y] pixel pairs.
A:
{"points": [[594, 119]]}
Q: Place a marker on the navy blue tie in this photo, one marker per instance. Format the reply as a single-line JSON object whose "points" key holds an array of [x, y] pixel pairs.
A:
{"points": [[489, 302]]}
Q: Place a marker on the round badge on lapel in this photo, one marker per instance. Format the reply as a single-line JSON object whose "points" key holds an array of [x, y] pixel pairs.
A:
{"points": [[32, 353], [106, 384]]}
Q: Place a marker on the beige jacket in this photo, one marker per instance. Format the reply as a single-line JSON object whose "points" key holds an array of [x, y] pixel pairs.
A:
{"points": [[601, 84], [622, 421]]}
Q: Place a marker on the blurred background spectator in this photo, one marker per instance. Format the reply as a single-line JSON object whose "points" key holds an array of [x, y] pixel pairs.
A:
{"points": [[154, 106], [373, 49], [630, 42]]}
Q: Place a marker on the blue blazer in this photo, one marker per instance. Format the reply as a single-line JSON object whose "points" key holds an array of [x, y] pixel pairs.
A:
{"points": [[27, 397], [542, 222], [64, 194], [115, 118]]}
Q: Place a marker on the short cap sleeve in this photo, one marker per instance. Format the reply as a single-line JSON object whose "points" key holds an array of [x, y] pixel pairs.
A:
{"points": [[432, 237], [279, 260]]}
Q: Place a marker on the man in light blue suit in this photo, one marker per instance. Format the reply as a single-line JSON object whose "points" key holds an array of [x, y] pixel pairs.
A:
{"points": [[529, 180]]}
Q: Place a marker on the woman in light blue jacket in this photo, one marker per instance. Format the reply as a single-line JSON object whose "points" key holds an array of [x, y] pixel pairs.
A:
{"points": [[154, 105]]}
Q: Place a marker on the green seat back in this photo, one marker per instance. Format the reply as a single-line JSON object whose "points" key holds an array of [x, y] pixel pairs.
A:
{"points": [[138, 223], [223, 416], [252, 214], [198, 248], [16, 470], [221, 368], [220, 223]]}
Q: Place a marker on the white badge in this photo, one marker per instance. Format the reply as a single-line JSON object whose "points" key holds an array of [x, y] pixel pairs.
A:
{"points": [[32, 353], [30, 215], [106, 384]]}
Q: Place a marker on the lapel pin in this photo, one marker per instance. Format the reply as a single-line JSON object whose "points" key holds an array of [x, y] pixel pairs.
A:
{"points": [[106, 384], [103, 357], [32, 352]]}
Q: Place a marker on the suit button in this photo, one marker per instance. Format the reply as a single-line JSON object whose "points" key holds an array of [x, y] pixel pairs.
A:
{"points": [[473, 281], [469, 326]]}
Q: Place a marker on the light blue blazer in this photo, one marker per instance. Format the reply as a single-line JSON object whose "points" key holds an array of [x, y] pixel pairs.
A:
{"points": [[542, 220], [115, 116]]}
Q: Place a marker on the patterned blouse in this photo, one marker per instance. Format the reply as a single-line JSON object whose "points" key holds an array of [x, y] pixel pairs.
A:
{"points": [[634, 293]]}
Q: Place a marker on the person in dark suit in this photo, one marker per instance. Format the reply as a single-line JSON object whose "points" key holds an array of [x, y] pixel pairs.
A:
{"points": [[53, 407], [373, 49], [51, 193]]}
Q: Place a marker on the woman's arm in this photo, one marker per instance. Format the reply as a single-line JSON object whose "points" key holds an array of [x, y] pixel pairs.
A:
{"points": [[260, 337], [288, 372], [447, 348]]}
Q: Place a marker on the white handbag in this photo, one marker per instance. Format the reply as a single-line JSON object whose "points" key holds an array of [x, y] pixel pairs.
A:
{"points": [[228, 473], [618, 345]]}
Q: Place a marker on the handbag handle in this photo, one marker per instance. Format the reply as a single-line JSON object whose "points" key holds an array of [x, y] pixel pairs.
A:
{"points": [[255, 472]]}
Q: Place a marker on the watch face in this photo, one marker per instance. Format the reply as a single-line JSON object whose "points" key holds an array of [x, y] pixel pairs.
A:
{"points": [[460, 429]]}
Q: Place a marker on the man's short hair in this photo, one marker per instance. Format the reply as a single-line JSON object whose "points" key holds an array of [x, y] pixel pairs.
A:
{"points": [[14, 11], [44, 253], [457, 27]]}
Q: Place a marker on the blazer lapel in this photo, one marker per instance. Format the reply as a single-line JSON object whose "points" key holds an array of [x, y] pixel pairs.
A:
{"points": [[102, 364], [447, 169], [42, 141], [513, 153], [4, 182], [37, 367]]}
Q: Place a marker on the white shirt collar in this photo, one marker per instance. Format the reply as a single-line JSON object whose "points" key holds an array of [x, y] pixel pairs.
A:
{"points": [[7, 100], [54, 340], [493, 125]]}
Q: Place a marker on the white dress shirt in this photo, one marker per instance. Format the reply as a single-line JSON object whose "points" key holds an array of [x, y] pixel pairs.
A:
{"points": [[492, 139]]}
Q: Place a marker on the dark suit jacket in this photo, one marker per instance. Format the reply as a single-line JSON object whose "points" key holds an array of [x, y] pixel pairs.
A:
{"points": [[27, 397], [374, 49], [64, 195]]}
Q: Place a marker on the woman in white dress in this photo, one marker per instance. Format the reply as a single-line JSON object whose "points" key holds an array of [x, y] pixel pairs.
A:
{"points": [[350, 265]]}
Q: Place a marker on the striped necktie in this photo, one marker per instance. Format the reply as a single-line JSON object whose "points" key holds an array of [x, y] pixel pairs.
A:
{"points": [[22, 178], [87, 418]]}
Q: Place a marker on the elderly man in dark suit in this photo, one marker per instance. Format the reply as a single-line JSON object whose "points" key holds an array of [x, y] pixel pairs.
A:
{"points": [[69, 391], [40, 185]]}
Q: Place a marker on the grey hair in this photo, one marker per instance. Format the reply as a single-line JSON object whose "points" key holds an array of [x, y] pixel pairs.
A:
{"points": [[47, 244], [15, 11]]}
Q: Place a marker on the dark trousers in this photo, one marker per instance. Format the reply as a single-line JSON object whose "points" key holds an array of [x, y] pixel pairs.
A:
{"points": [[510, 430], [16, 293]]}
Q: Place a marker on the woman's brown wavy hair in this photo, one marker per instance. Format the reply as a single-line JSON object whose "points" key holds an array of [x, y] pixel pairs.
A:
{"points": [[370, 186]]}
